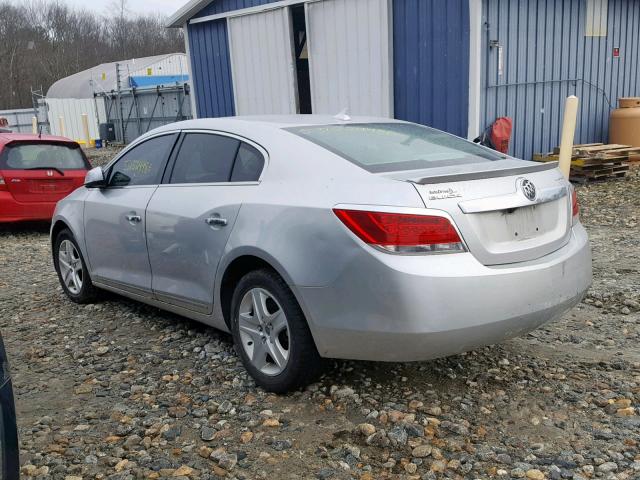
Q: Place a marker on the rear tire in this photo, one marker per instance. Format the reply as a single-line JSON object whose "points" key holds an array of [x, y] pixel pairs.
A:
{"points": [[271, 334], [72, 269]]}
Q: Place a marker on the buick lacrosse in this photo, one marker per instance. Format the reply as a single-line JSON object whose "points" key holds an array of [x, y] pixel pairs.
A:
{"points": [[311, 237]]}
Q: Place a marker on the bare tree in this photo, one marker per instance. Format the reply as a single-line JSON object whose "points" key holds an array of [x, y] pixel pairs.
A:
{"points": [[42, 41]]}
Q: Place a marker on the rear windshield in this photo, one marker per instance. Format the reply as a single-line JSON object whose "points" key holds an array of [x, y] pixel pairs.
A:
{"points": [[390, 147], [42, 155]]}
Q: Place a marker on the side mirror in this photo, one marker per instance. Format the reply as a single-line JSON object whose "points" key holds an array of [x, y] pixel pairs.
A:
{"points": [[95, 178]]}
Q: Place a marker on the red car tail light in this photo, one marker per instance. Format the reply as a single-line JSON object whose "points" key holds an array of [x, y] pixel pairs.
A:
{"points": [[403, 233]]}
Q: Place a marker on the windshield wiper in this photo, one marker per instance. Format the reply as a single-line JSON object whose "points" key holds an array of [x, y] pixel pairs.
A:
{"points": [[47, 168]]}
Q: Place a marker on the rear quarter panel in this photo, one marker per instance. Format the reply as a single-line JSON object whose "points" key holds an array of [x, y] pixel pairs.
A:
{"points": [[288, 220]]}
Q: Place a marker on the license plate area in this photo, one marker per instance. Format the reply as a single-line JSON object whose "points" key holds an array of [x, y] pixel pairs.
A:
{"points": [[520, 229], [525, 222], [50, 186]]}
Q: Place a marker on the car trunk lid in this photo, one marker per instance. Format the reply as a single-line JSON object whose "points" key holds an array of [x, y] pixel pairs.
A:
{"points": [[37, 171], [489, 205], [49, 185]]}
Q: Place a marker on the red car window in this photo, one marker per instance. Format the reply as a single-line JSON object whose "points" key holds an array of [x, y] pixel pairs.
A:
{"points": [[25, 156]]}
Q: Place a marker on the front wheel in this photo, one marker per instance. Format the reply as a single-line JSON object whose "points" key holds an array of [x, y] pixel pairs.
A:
{"points": [[72, 269], [271, 333]]}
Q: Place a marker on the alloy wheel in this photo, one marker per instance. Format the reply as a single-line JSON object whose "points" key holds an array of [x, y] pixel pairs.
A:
{"points": [[264, 331], [70, 266]]}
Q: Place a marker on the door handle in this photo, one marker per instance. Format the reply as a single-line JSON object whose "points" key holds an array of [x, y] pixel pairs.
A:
{"points": [[216, 222], [134, 218]]}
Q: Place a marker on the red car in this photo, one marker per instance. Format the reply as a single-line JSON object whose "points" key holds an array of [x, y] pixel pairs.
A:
{"points": [[35, 173]]}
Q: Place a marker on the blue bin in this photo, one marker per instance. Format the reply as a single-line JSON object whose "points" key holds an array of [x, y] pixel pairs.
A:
{"points": [[98, 143]]}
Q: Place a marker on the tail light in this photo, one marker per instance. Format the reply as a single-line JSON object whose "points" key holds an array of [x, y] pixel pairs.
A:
{"points": [[403, 233], [575, 207]]}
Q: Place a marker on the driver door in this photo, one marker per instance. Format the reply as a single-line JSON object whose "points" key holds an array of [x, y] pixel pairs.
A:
{"points": [[115, 217]]}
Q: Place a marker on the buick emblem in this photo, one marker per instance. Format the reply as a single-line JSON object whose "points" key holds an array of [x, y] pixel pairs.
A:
{"points": [[528, 189], [49, 173]]}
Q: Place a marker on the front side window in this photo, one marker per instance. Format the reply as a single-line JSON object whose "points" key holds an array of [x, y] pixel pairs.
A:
{"points": [[390, 147], [39, 156], [205, 158], [143, 164]]}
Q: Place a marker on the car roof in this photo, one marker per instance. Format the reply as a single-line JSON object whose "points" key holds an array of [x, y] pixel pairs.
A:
{"points": [[270, 122], [6, 138]]}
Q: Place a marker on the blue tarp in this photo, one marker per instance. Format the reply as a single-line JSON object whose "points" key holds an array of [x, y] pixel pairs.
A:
{"points": [[155, 80]]}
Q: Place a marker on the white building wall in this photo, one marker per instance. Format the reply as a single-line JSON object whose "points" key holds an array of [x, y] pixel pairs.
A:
{"points": [[262, 63], [71, 109], [350, 56]]}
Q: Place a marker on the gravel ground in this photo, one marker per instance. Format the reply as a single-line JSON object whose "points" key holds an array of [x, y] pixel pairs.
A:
{"points": [[121, 390], [101, 156]]}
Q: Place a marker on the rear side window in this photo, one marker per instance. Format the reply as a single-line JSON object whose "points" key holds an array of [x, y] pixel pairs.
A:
{"points": [[389, 147], [211, 158], [25, 156], [249, 164], [143, 164], [205, 158]]}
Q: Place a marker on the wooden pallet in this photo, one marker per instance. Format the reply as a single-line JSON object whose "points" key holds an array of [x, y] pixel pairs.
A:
{"points": [[596, 178], [595, 161]]}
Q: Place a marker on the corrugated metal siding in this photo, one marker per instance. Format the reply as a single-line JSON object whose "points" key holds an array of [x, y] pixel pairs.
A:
{"points": [[263, 63], [431, 63], [71, 109], [212, 84], [349, 56], [223, 6], [546, 58], [150, 109], [19, 120], [169, 65]]}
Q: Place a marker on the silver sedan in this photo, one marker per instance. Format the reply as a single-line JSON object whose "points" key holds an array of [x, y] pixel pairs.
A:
{"points": [[311, 237]]}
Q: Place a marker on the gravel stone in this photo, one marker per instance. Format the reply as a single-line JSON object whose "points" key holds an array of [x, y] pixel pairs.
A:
{"points": [[118, 390]]}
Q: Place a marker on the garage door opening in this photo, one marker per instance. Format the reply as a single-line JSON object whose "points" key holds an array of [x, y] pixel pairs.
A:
{"points": [[301, 52]]}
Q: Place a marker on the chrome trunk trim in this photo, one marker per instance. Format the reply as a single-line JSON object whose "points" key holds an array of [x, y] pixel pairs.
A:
{"points": [[511, 200]]}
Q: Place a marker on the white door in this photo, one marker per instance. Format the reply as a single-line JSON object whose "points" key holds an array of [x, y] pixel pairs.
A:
{"points": [[262, 63], [350, 56]]}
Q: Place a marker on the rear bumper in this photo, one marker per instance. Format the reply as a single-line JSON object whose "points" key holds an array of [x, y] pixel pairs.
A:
{"points": [[13, 211], [407, 308]]}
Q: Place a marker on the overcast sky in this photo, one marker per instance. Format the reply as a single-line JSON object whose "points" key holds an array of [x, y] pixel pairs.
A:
{"points": [[166, 7]]}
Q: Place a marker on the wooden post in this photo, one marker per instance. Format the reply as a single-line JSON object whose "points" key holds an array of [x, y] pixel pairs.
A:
{"points": [[34, 125], [61, 124], [85, 129], [568, 132]]}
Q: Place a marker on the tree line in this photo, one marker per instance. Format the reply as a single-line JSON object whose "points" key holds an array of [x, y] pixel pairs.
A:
{"points": [[42, 41]]}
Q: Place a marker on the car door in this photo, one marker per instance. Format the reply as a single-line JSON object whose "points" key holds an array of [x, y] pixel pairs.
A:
{"points": [[114, 216], [190, 216]]}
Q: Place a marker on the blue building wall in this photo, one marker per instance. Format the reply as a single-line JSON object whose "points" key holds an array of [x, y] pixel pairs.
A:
{"points": [[210, 62], [547, 57], [431, 63]]}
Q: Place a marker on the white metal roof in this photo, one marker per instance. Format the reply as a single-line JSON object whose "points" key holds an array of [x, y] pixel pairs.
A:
{"points": [[185, 12], [102, 78]]}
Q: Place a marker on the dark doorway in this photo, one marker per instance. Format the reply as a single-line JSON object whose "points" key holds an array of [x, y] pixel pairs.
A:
{"points": [[302, 58]]}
